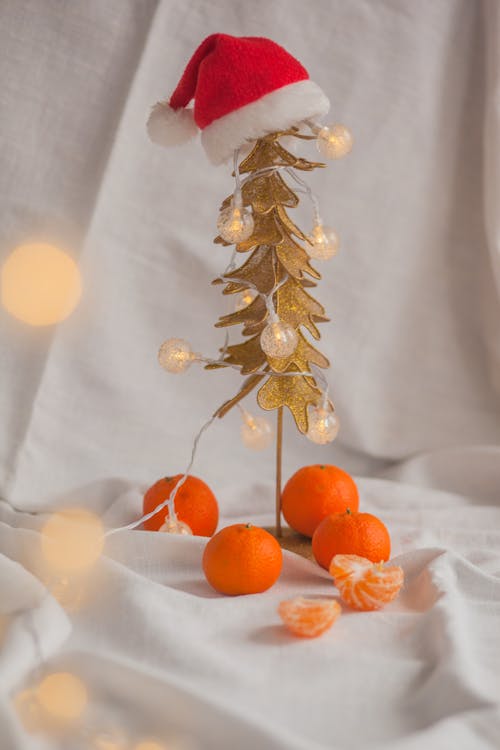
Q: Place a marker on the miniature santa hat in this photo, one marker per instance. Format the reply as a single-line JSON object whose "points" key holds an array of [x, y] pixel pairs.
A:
{"points": [[243, 88]]}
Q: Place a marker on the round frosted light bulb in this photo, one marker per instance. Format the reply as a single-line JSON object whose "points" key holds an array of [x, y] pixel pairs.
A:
{"points": [[72, 540], [279, 339], [235, 224], [62, 695], [256, 432], [324, 243], [174, 526], [324, 425], [334, 141], [175, 355], [244, 299]]}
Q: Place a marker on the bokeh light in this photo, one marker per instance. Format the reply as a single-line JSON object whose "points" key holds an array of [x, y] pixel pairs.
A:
{"points": [[72, 540], [114, 739], [68, 591], [62, 695], [29, 710], [40, 284], [149, 745]]}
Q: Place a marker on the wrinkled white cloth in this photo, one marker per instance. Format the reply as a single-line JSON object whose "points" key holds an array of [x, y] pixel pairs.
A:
{"points": [[414, 297], [162, 653]]}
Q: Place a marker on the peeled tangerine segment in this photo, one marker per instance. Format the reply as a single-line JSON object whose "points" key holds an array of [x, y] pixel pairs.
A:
{"points": [[309, 618], [364, 585]]}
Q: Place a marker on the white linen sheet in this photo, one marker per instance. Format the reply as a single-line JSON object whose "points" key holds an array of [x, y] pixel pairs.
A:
{"points": [[415, 350]]}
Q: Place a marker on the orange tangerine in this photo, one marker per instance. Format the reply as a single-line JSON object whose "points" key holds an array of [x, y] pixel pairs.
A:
{"points": [[195, 504], [242, 559], [351, 533], [364, 585], [309, 618], [314, 492]]}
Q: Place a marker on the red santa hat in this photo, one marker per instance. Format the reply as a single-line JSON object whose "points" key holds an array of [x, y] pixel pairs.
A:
{"points": [[243, 88]]}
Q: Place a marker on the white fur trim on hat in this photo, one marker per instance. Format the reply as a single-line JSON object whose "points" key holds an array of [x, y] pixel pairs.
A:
{"points": [[170, 127], [278, 110]]}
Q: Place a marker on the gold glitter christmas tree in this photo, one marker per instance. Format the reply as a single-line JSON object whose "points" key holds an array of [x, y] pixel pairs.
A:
{"points": [[278, 269], [250, 93]]}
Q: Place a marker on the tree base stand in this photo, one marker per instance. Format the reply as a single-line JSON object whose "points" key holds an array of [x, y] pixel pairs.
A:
{"points": [[292, 541]]}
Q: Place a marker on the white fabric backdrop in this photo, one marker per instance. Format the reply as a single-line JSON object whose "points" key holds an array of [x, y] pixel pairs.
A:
{"points": [[414, 300]]}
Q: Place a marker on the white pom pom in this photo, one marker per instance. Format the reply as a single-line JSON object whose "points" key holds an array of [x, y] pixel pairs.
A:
{"points": [[170, 127]]}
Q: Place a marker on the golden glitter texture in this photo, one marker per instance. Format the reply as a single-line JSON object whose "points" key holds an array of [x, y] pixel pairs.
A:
{"points": [[276, 255]]}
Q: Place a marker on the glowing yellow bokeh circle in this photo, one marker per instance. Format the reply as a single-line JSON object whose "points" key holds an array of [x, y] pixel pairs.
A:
{"points": [[40, 284], [114, 740], [149, 745], [62, 695], [72, 539]]}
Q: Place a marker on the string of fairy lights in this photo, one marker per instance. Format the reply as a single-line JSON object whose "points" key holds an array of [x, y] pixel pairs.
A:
{"points": [[278, 338], [72, 540]]}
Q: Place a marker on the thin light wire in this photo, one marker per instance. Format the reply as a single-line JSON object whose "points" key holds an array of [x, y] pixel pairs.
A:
{"points": [[309, 192], [260, 172], [249, 285], [230, 265], [257, 372], [290, 170], [237, 171], [319, 377], [314, 126], [269, 298], [229, 279], [170, 501]]}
